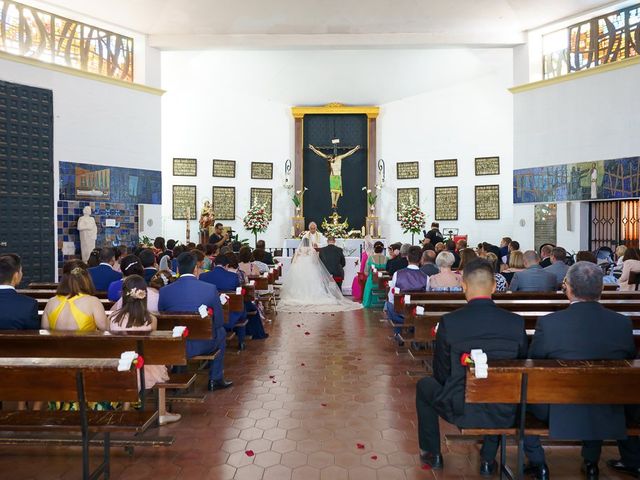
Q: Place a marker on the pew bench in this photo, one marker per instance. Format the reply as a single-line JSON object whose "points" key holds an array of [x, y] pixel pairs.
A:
{"points": [[157, 348], [73, 380], [555, 382]]}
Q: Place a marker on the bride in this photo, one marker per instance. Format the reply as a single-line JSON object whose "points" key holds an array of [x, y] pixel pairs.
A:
{"points": [[308, 286]]}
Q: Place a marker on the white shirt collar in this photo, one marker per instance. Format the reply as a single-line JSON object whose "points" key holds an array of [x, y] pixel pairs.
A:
{"points": [[107, 264], [7, 287], [413, 267], [187, 275]]}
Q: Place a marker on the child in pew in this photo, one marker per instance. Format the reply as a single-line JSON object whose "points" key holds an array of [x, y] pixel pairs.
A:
{"points": [[134, 316]]}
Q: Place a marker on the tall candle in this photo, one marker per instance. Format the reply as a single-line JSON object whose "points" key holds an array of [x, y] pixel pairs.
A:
{"points": [[379, 231], [363, 232], [371, 229], [293, 231]]}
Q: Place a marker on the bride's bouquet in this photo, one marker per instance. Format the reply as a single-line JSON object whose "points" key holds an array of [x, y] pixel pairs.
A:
{"points": [[256, 220], [412, 219]]}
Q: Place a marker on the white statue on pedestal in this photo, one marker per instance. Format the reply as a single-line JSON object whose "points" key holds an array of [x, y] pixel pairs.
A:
{"points": [[88, 233]]}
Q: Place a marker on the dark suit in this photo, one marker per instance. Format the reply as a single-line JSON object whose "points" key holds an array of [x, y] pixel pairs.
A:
{"points": [[186, 295], [226, 281], [18, 312], [268, 258], [533, 279], [456, 259], [396, 264], [149, 272], [430, 269], [333, 259], [546, 262], [584, 331], [434, 236], [103, 275], [479, 324]]}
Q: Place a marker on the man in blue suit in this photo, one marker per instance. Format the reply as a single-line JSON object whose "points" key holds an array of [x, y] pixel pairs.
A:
{"points": [[533, 278], [225, 281], [18, 312], [104, 274], [186, 295]]}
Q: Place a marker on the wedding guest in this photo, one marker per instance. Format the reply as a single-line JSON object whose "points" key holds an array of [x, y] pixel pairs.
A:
{"points": [[131, 265], [619, 257], [177, 251], [558, 266], [545, 255], [268, 257], [630, 263], [120, 252], [395, 262], [516, 264], [234, 266], [259, 261], [504, 248], [439, 247], [461, 245], [501, 282], [159, 280], [18, 312], [481, 324], [245, 262], [159, 246], [450, 246], [357, 286], [210, 252], [132, 315], [466, 255], [94, 258], [428, 262], [187, 294], [379, 261], [171, 244], [446, 280], [104, 274], [148, 261], [533, 278], [407, 279], [75, 306], [199, 255]]}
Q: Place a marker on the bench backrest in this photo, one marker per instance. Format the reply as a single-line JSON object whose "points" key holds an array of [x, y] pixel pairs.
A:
{"points": [[157, 348], [557, 382], [199, 328], [34, 379]]}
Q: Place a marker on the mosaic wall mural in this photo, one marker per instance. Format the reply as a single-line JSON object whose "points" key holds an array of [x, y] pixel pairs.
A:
{"points": [[600, 180], [113, 193]]}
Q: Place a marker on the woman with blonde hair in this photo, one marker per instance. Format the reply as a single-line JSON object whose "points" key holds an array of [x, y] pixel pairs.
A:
{"points": [[516, 264], [75, 306]]}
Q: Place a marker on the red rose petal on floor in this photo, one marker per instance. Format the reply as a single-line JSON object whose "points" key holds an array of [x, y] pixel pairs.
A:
{"points": [[273, 381], [298, 325], [323, 404], [426, 467], [249, 453], [360, 446], [307, 333], [374, 457], [272, 376], [302, 365]]}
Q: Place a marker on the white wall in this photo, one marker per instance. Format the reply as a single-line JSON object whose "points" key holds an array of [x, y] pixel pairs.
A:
{"points": [[435, 104], [95, 122], [466, 120], [594, 117]]}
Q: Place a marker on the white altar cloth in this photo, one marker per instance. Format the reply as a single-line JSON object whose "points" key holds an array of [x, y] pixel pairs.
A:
{"points": [[351, 246]]}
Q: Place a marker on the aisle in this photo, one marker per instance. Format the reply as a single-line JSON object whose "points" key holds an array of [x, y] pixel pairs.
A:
{"points": [[325, 397]]}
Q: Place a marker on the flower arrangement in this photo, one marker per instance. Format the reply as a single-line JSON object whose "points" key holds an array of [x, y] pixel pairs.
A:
{"points": [[412, 219], [335, 228], [256, 220], [372, 195]]}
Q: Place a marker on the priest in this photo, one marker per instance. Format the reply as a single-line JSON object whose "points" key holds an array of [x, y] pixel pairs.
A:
{"points": [[316, 239]]}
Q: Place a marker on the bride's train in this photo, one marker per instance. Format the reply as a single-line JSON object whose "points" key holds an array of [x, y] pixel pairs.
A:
{"points": [[308, 286]]}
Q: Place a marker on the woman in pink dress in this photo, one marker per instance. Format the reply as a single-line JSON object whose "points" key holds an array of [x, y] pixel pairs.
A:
{"points": [[134, 316], [357, 286]]}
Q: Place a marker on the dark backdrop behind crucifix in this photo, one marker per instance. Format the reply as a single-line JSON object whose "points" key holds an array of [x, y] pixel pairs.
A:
{"points": [[319, 130]]}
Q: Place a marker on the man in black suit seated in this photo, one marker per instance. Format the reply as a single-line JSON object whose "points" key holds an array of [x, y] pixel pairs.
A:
{"points": [[18, 312], [584, 331], [333, 259], [478, 325], [268, 258], [148, 261], [398, 259]]}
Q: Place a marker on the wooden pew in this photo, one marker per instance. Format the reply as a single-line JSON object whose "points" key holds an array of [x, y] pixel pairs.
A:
{"points": [[157, 348], [558, 382], [72, 380], [398, 298], [48, 293]]}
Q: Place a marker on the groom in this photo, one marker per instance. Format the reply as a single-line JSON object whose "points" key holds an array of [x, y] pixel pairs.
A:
{"points": [[333, 259]]}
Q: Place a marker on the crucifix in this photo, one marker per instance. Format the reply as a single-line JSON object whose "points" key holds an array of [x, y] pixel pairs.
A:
{"points": [[335, 169]]}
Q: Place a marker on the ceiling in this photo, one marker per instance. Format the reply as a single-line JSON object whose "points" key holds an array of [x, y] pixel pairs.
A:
{"points": [[201, 24]]}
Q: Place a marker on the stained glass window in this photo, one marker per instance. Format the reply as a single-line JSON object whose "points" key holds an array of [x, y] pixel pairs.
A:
{"points": [[31, 32], [604, 39]]}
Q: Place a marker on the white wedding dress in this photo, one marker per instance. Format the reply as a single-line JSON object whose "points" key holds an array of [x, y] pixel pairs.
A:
{"points": [[309, 287]]}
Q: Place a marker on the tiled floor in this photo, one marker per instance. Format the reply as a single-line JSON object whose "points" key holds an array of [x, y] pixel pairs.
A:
{"points": [[325, 397]]}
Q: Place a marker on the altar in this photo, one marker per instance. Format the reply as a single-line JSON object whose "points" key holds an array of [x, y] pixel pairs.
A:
{"points": [[352, 248]]}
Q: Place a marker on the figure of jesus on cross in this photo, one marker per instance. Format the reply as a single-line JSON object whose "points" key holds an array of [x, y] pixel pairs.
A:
{"points": [[335, 169]]}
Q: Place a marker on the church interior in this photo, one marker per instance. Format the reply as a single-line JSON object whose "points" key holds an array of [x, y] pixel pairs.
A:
{"points": [[319, 240]]}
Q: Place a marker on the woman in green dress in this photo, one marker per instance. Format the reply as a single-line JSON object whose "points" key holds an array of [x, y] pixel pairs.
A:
{"points": [[379, 261]]}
